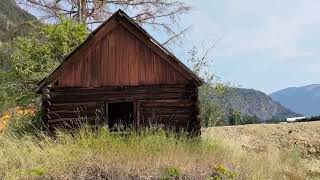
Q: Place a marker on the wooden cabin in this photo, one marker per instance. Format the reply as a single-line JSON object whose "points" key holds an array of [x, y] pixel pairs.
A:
{"points": [[121, 76]]}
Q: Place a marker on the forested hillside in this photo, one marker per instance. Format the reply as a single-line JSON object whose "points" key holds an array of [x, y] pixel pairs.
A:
{"points": [[248, 104], [257, 103], [14, 22], [11, 17]]}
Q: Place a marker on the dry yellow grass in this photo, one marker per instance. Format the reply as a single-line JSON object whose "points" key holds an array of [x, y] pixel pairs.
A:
{"points": [[303, 138], [150, 155]]}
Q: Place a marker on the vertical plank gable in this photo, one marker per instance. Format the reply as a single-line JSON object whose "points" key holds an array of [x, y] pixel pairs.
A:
{"points": [[118, 58]]}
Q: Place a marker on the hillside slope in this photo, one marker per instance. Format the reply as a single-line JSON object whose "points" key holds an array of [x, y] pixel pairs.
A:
{"points": [[256, 103], [305, 100], [11, 16]]}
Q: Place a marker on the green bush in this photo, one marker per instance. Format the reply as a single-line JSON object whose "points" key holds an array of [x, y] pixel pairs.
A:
{"points": [[30, 58], [223, 172], [171, 173]]}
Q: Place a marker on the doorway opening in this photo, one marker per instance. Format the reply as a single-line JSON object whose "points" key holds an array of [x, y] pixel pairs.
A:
{"points": [[120, 115]]}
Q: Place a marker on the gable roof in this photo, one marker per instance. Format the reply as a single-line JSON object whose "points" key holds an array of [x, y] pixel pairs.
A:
{"points": [[120, 15]]}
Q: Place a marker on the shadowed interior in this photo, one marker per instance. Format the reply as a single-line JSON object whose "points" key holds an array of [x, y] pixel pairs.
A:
{"points": [[120, 115]]}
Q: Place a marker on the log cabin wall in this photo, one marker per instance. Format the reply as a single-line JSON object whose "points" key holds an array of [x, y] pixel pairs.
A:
{"points": [[172, 106]]}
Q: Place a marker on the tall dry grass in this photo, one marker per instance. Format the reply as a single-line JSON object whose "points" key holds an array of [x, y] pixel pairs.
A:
{"points": [[149, 155]]}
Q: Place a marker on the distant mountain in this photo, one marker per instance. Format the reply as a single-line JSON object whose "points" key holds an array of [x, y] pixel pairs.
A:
{"points": [[11, 18], [305, 100], [256, 103]]}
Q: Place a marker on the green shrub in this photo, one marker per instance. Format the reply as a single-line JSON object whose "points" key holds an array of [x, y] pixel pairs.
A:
{"points": [[37, 171], [223, 172], [171, 173], [30, 58]]}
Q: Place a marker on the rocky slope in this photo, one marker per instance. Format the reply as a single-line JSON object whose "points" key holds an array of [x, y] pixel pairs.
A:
{"points": [[256, 103]]}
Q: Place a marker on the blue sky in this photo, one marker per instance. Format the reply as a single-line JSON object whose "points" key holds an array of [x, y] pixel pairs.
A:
{"points": [[266, 45], [262, 44]]}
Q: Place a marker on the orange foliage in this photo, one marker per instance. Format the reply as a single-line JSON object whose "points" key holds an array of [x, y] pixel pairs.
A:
{"points": [[16, 112]]}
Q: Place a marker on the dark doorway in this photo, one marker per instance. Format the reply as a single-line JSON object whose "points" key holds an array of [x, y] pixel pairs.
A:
{"points": [[120, 115]]}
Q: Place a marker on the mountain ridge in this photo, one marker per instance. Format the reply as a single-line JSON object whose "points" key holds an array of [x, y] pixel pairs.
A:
{"points": [[304, 99], [310, 86], [249, 102], [256, 103], [11, 16]]}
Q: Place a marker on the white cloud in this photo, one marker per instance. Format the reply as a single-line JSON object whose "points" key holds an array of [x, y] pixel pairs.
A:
{"points": [[266, 26], [261, 37]]}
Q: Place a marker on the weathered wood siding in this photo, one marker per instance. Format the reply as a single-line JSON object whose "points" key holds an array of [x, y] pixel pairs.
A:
{"points": [[119, 63], [118, 58], [173, 106]]}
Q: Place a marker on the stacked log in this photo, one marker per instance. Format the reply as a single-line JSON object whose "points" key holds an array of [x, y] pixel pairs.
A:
{"points": [[173, 106], [46, 103]]}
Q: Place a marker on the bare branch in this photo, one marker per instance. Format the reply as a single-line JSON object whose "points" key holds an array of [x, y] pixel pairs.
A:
{"points": [[162, 15], [175, 36]]}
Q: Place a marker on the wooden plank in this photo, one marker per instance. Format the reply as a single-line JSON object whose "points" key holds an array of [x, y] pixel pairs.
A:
{"points": [[116, 88], [84, 98], [155, 48], [82, 48], [77, 72], [68, 75], [104, 61], [135, 62], [95, 65], [75, 120], [87, 68], [126, 60], [118, 58], [106, 112], [111, 71]]}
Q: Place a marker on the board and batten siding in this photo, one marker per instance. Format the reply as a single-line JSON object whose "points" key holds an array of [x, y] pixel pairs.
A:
{"points": [[118, 59]]}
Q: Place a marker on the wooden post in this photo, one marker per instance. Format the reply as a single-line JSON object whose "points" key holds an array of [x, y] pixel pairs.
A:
{"points": [[137, 115], [106, 113]]}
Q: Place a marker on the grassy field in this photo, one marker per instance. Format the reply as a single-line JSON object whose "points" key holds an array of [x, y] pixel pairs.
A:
{"points": [[302, 137], [150, 155]]}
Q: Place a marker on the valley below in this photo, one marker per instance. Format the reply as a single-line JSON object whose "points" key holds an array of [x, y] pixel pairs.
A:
{"points": [[302, 138]]}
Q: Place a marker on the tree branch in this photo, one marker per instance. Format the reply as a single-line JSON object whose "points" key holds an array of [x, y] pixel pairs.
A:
{"points": [[175, 36]]}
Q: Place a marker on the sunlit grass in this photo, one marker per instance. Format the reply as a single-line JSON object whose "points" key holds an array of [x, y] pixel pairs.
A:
{"points": [[158, 154]]}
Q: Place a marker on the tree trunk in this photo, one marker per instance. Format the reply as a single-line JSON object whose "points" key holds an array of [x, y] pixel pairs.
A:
{"points": [[82, 11]]}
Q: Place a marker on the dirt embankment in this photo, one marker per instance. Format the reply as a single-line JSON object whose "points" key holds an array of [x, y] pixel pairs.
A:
{"points": [[301, 137]]}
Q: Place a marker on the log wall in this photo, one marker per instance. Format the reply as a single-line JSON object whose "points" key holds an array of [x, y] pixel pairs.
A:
{"points": [[172, 106]]}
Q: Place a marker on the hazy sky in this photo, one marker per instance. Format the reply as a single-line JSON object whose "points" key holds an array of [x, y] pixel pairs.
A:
{"points": [[262, 44], [266, 45]]}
